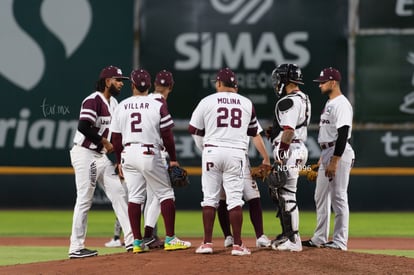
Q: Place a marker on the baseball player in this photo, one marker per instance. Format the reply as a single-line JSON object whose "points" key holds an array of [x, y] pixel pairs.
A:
{"points": [[220, 125], [251, 195], [163, 84], [292, 115], [91, 164], [336, 161], [141, 126]]}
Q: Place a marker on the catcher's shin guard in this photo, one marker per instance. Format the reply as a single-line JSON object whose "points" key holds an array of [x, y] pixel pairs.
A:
{"points": [[288, 213]]}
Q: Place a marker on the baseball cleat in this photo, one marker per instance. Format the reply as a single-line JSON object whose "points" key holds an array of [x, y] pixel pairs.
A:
{"points": [[240, 250], [129, 247], [153, 242], [228, 241], [333, 245], [263, 241], [279, 240], [114, 243], [139, 247], [289, 245], [205, 248], [309, 243], [174, 243], [83, 253]]}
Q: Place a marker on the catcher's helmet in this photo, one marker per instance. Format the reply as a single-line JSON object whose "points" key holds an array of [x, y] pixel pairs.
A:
{"points": [[286, 73]]}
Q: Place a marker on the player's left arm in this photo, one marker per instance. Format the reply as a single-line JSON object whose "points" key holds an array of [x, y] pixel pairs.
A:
{"points": [[340, 145], [167, 135], [168, 141]]}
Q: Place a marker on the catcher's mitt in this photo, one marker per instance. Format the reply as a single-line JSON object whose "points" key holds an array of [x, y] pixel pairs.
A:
{"points": [[277, 177], [260, 172], [178, 176]]}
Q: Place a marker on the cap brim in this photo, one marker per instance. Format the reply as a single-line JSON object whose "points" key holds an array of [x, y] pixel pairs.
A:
{"points": [[297, 82], [122, 77], [319, 80]]}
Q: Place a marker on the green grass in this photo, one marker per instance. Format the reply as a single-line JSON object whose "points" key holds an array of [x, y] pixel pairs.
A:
{"points": [[51, 223], [188, 223]]}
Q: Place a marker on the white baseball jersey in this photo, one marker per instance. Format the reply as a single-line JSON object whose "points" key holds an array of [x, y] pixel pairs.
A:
{"points": [[157, 96], [134, 119], [96, 109], [337, 113], [226, 118], [293, 110]]}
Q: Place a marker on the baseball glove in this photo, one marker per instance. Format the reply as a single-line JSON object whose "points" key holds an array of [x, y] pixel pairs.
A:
{"points": [[310, 174], [178, 176], [277, 177], [260, 172]]}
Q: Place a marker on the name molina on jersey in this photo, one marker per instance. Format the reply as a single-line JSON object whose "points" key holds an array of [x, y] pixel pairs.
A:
{"points": [[228, 101], [135, 106]]}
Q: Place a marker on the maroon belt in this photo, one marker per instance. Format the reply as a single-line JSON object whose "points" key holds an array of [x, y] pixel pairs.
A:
{"points": [[142, 144], [327, 145]]}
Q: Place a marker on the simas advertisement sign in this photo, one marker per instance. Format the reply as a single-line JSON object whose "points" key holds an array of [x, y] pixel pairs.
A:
{"points": [[51, 54], [250, 37]]}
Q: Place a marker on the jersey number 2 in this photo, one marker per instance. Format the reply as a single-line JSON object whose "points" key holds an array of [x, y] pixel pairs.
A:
{"points": [[135, 121]]}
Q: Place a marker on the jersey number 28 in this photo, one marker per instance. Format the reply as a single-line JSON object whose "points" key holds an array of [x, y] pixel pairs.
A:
{"points": [[226, 117]]}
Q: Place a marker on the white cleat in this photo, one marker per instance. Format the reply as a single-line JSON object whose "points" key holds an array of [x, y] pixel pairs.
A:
{"points": [[240, 250], [205, 248], [288, 245], [228, 241], [263, 241], [114, 243]]}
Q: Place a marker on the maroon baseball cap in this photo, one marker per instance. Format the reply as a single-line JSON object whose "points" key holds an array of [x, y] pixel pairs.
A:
{"points": [[141, 79], [111, 72], [328, 74], [164, 78], [227, 76]]}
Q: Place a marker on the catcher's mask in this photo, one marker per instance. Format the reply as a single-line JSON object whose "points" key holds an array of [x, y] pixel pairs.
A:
{"points": [[283, 74]]}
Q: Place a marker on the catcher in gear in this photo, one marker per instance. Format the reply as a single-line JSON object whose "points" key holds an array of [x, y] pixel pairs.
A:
{"points": [[287, 135], [178, 176]]}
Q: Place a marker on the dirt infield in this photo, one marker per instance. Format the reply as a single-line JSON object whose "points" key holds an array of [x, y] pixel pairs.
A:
{"points": [[262, 261]]}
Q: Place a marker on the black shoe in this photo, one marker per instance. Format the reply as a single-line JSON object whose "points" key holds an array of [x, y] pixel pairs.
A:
{"points": [[279, 240], [148, 241], [309, 243], [332, 245], [83, 253], [129, 247], [153, 242]]}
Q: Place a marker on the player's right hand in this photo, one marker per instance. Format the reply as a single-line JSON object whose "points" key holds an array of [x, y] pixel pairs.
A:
{"points": [[107, 145]]}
